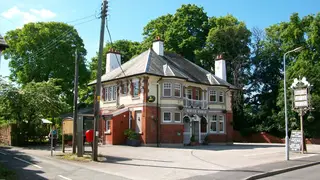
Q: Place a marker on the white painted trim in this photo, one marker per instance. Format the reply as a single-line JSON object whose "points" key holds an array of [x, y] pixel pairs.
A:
{"points": [[175, 115], [163, 117], [175, 89], [136, 109], [163, 89]]}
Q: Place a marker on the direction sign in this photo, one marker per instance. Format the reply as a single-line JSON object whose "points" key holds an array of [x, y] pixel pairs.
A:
{"points": [[295, 141]]}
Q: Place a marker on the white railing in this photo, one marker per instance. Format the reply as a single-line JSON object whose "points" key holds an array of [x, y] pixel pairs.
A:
{"points": [[201, 104]]}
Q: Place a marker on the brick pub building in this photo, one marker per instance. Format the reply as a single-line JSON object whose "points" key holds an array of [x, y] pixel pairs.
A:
{"points": [[188, 100]]}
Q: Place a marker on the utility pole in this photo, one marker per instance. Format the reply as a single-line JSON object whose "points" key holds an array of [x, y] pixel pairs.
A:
{"points": [[75, 106], [98, 85]]}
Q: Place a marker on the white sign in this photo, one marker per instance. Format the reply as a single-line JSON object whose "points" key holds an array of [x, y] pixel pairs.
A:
{"points": [[301, 104], [301, 98], [300, 92]]}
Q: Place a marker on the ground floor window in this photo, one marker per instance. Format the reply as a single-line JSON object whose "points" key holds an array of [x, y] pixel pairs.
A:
{"points": [[171, 117], [217, 124], [108, 126]]}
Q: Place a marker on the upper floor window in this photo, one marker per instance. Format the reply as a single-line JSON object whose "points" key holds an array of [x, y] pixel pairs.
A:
{"points": [[110, 93], [221, 98], [124, 88], [197, 94], [212, 96], [166, 89], [177, 90], [189, 93], [135, 86]]}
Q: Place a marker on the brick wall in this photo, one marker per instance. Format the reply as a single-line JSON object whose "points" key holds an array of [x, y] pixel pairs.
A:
{"points": [[169, 133], [118, 124], [5, 135]]}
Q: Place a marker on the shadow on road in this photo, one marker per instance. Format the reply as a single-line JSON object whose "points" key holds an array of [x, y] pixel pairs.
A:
{"points": [[9, 158]]}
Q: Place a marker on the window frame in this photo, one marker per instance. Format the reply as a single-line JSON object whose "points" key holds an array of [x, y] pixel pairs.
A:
{"points": [[124, 86], [108, 126], [174, 119], [110, 93], [166, 121], [177, 86], [213, 120], [137, 83], [214, 94], [221, 94], [164, 88], [223, 124]]}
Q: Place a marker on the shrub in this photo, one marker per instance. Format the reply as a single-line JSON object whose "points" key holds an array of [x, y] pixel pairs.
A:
{"points": [[131, 135]]}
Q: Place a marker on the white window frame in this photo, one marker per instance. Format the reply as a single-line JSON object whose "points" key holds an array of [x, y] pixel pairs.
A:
{"points": [[163, 88], [221, 119], [174, 115], [213, 93], [124, 86], [213, 120], [221, 94], [166, 120], [113, 93], [189, 92], [177, 86], [108, 126], [133, 88]]}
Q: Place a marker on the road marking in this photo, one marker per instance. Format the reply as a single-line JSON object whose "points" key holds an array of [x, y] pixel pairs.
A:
{"points": [[28, 162], [64, 177], [3, 153]]}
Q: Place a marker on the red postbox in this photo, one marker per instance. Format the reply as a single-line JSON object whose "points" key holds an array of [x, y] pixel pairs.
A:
{"points": [[89, 135]]}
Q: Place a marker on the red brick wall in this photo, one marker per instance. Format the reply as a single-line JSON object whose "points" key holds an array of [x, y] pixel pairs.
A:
{"points": [[119, 124], [169, 133], [229, 126], [5, 135], [150, 124], [218, 138]]}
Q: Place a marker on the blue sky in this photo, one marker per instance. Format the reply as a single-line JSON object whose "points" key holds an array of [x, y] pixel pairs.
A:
{"points": [[127, 17]]}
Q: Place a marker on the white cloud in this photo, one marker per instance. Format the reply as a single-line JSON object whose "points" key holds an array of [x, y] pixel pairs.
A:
{"points": [[32, 15], [44, 13]]}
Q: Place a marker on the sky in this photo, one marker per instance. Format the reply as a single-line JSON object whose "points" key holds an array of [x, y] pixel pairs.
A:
{"points": [[127, 18]]}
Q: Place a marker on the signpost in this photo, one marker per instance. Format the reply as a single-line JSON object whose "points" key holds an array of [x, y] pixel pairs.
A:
{"points": [[301, 104], [295, 141]]}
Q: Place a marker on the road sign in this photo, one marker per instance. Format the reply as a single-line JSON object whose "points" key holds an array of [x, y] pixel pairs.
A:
{"points": [[295, 140]]}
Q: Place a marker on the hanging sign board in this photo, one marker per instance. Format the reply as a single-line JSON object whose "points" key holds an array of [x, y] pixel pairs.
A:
{"points": [[301, 98], [151, 98]]}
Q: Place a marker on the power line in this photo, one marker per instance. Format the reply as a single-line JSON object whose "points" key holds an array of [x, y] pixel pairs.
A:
{"points": [[112, 46]]}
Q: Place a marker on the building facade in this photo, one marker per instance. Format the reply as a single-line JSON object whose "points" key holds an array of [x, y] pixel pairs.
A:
{"points": [[165, 98]]}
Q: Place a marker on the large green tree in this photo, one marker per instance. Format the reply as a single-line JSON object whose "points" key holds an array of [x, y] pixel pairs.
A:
{"points": [[44, 50], [183, 33]]}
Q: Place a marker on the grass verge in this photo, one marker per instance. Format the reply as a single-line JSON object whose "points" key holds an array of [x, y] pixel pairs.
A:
{"points": [[7, 174], [74, 157]]}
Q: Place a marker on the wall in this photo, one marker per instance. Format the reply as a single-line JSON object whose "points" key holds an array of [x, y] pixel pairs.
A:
{"points": [[169, 133], [118, 124], [5, 134]]}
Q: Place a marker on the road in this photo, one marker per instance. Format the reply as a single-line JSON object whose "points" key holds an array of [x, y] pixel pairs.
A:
{"points": [[32, 167], [310, 173]]}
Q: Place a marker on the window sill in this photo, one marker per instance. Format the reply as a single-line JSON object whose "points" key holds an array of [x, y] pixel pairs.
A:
{"points": [[217, 133], [135, 98], [109, 102], [171, 123], [107, 133]]}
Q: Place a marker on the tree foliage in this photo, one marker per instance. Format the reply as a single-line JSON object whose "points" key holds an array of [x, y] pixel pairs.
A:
{"points": [[44, 50]]}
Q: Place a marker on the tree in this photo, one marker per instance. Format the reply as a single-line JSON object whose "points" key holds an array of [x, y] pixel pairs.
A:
{"points": [[183, 33], [44, 50], [230, 37]]}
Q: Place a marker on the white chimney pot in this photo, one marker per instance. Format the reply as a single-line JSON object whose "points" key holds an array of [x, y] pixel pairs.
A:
{"points": [[112, 60]]}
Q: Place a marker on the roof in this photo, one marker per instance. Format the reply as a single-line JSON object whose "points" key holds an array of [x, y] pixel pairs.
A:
{"points": [[169, 65]]}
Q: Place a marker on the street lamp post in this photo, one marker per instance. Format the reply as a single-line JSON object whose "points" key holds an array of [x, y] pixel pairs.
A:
{"points": [[285, 99]]}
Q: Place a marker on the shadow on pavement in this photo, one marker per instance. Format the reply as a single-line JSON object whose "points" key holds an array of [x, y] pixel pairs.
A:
{"points": [[115, 159], [13, 160]]}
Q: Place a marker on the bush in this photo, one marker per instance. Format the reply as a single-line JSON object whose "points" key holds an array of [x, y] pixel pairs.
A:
{"points": [[131, 135]]}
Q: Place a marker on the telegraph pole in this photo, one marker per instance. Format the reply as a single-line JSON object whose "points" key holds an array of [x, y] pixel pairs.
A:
{"points": [[75, 102], [98, 85]]}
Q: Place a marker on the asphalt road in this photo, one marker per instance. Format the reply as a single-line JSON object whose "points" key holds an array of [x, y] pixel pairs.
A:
{"points": [[37, 168], [310, 173]]}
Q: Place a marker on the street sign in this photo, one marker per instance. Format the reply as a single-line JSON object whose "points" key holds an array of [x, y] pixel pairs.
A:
{"points": [[295, 140], [300, 98]]}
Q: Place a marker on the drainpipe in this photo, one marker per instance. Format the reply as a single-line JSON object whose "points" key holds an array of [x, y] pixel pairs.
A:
{"points": [[158, 124]]}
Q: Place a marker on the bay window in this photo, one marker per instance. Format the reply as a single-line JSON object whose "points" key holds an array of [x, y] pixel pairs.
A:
{"points": [[177, 90], [212, 96], [221, 97], [166, 89]]}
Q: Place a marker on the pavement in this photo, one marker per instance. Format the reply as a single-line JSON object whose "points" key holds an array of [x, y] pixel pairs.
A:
{"points": [[35, 167], [238, 161], [310, 173]]}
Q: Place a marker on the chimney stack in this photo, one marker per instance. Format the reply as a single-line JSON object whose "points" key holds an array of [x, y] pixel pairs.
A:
{"points": [[220, 67], [112, 59], [157, 46]]}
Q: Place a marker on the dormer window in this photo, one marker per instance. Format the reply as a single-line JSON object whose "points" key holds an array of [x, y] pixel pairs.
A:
{"points": [[166, 89]]}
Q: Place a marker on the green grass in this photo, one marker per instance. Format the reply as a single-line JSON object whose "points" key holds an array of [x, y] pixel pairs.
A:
{"points": [[7, 174], [73, 157]]}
